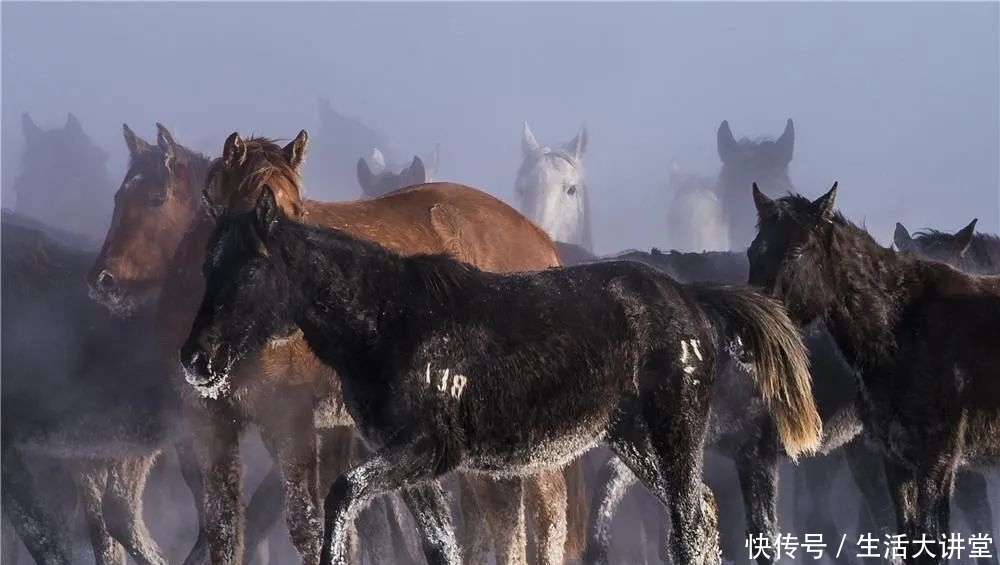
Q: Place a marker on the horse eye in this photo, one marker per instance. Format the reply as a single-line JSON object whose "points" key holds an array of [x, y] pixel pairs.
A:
{"points": [[571, 190]]}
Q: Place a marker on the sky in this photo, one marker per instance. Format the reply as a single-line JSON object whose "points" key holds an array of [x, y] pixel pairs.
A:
{"points": [[896, 101]]}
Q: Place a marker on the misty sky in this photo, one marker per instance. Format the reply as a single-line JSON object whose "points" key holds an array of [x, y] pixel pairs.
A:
{"points": [[897, 101]]}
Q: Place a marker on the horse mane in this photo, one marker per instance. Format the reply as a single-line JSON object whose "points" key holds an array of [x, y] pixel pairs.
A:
{"points": [[266, 163], [984, 250], [444, 276]]}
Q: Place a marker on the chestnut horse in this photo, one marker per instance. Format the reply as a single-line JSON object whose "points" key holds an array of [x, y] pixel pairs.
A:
{"points": [[279, 387]]}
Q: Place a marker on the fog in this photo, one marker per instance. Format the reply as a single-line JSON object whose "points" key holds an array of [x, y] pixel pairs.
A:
{"points": [[897, 101]]}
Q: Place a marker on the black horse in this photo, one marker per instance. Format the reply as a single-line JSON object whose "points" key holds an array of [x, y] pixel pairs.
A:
{"points": [[922, 336], [448, 367]]}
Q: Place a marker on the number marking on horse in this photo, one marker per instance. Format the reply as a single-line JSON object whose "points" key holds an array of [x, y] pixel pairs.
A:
{"points": [[453, 384], [687, 347]]}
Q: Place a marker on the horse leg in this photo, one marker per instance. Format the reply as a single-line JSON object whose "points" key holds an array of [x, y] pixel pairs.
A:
{"points": [[187, 460], [501, 505], [400, 464], [545, 498], [122, 506], [876, 513], [813, 485], [337, 448], [935, 484], [10, 542], [613, 481], [476, 537], [972, 498], [263, 512], [291, 438], [575, 478], [43, 535], [217, 446], [757, 468], [92, 479], [902, 489]]}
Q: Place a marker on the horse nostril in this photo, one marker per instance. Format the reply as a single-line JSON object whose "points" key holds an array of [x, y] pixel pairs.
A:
{"points": [[105, 281]]}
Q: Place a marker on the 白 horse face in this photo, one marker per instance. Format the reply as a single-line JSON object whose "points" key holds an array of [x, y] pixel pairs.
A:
{"points": [[153, 208], [789, 256], [247, 300], [552, 191]]}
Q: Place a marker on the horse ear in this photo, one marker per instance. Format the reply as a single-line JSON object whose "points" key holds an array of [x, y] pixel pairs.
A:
{"points": [[901, 237], [761, 201], [786, 143], [364, 175], [295, 151], [963, 237], [73, 125], [234, 152], [725, 142], [416, 173], [266, 211], [31, 131], [578, 145], [824, 204], [134, 143], [166, 142], [529, 145], [378, 160]]}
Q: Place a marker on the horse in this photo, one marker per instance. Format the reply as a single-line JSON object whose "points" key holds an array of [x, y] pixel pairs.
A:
{"points": [[921, 335], [551, 189], [745, 161], [452, 206], [976, 253], [340, 140], [383, 181], [81, 392], [694, 217], [160, 195], [65, 160], [966, 249], [444, 366]]}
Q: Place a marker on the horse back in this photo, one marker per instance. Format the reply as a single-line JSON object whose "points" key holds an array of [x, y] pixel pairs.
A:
{"points": [[444, 217]]}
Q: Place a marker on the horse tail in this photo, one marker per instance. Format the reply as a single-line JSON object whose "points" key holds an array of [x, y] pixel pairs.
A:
{"points": [[779, 359]]}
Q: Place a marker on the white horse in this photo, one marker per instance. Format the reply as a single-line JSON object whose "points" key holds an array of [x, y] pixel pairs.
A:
{"points": [[551, 189], [694, 218]]}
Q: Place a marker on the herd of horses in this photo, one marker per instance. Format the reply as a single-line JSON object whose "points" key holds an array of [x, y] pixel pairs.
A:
{"points": [[431, 369]]}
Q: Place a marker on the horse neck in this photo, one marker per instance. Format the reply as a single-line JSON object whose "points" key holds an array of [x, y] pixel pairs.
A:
{"points": [[870, 287], [343, 289]]}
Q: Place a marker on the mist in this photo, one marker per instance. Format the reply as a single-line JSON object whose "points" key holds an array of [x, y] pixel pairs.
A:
{"points": [[897, 101]]}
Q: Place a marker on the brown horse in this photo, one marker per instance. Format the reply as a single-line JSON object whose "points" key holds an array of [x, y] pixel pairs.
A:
{"points": [[285, 382]]}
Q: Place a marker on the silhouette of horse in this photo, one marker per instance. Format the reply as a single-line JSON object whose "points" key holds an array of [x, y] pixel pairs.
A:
{"points": [[80, 389], [551, 189], [973, 252], [921, 335], [383, 181], [764, 161], [340, 140], [62, 175], [445, 366]]}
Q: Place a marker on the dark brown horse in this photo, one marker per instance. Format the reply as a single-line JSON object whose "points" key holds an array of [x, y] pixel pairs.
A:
{"points": [[441, 217]]}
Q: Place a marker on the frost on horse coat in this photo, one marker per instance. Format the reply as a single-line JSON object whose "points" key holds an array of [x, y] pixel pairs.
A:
{"points": [[446, 367]]}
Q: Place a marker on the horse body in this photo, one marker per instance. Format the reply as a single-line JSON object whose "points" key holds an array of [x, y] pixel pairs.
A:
{"points": [[922, 336], [428, 349], [552, 191]]}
